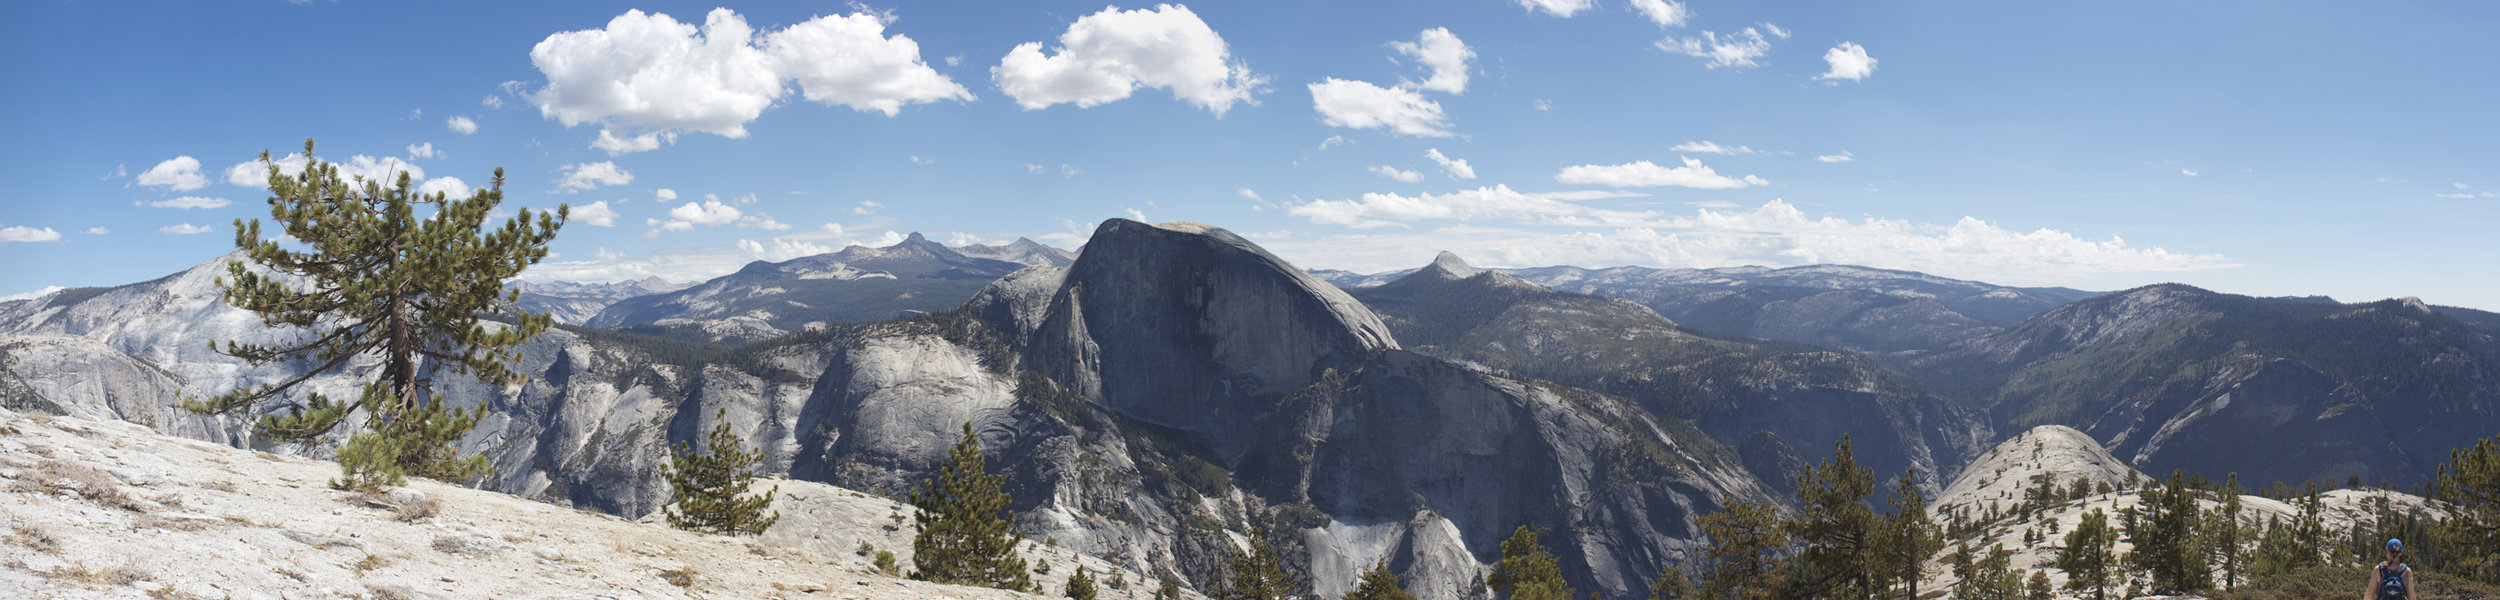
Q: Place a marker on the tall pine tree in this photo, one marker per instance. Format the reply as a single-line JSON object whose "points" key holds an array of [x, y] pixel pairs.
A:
{"points": [[1527, 571], [1909, 534], [1839, 532], [2089, 556], [375, 278], [2470, 538], [1745, 540], [712, 486], [2227, 535], [966, 535], [1377, 583], [1258, 574], [2167, 544]]}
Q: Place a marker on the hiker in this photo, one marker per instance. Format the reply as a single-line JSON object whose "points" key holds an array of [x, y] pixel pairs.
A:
{"points": [[2391, 580]]}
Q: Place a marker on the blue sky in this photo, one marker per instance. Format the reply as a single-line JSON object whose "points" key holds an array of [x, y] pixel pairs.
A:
{"points": [[2267, 148]]}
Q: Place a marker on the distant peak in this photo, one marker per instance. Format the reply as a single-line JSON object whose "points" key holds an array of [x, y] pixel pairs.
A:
{"points": [[914, 238], [1449, 266]]}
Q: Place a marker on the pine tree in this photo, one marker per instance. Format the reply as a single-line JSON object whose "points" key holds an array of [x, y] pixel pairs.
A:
{"points": [[1991, 578], [2469, 540], [1671, 584], [2226, 537], [965, 530], [2293, 545], [1745, 540], [712, 486], [1169, 589], [2038, 587], [1910, 534], [1080, 585], [377, 279], [1838, 530], [1377, 583], [2088, 556], [1258, 574], [1527, 571], [2166, 539]]}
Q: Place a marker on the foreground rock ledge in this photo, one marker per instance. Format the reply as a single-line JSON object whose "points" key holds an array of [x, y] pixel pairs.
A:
{"points": [[110, 509]]}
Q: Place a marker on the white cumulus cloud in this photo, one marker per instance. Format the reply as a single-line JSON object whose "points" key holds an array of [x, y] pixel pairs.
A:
{"points": [[180, 173], [662, 194], [452, 188], [177, 229], [98, 231], [709, 213], [1361, 105], [1741, 49], [1444, 55], [1396, 173], [781, 249], [1648, 174], [1457, 168], [1842, 157], [188, 202], [597, 214], [1559, 8], [646, 73], [461, 125], [1849, 61], [848, 60], [1106, 56], [610, 143], [1666, 13], [761, 221], [588, 176], [423, 151], [255, 173], [385, 170], [21, 233], [2187, 172]]}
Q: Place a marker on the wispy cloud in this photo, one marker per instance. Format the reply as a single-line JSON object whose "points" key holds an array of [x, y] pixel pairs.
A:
{"points": [[1396, 173], [1517, 229], [1648, 174], [1742, 49]]}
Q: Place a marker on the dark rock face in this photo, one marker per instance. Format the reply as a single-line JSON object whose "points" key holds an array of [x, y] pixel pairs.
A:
{"points": [[1783, 407], [1191, 327]]}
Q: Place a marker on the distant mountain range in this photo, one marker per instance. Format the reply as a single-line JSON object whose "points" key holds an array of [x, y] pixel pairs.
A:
{"points": [[1876, 310], [859, 283], [1177, 385]]}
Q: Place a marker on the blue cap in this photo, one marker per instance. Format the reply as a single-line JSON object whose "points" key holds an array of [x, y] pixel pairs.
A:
{"points": [[2395, 545]]}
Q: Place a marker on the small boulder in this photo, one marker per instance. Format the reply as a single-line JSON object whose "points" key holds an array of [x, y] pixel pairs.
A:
{"points": [[405, 496]]}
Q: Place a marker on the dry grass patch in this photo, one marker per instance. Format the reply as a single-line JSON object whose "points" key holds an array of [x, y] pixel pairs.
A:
{"points": [[84, 480], [370, 562], [681, 577], [35, 537], [89, 576]]}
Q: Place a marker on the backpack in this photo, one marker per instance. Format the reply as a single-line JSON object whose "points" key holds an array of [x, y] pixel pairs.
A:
{"points": [[2391, 585]]}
